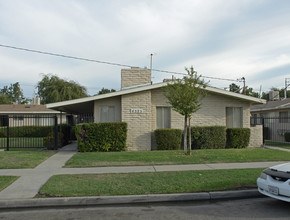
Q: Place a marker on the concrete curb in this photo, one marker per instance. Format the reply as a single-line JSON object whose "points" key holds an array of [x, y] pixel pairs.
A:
{"points": [[131, 199]]}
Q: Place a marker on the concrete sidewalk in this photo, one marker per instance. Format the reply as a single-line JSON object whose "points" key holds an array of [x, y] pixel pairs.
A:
{"points": [[31, 180]]}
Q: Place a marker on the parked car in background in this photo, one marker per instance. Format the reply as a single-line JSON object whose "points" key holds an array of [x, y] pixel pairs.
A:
{"points": [[275, 182]]}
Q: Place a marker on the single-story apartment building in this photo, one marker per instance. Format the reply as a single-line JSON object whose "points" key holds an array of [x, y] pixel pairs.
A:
{"points": [[30, 115], [276, 117], [145, 108]]}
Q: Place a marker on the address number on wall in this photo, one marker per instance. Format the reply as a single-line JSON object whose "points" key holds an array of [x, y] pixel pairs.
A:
{"points": [[136, 110]]}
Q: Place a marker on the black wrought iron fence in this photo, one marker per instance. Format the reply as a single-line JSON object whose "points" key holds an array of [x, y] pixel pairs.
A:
{"points": [[274, 128], [84, 118], [22, 131]]}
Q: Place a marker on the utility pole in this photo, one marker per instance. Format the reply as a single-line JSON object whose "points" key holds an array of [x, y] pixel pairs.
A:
{"points": [[19, 93], [244, 87], [151, 55], [286, 86]]}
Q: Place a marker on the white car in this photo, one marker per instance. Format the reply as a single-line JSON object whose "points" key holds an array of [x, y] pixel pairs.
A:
{"points": [[275, 182]]}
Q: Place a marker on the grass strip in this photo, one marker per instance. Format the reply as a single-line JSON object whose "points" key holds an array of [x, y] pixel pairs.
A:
{"points": [[149, 183], [23, 159], [6, 181], [278, 144], [22, 142], [99, 159]]}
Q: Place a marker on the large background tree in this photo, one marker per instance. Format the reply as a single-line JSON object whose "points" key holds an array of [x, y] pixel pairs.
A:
{"points": [[185, 96], [12, 94], [104, 91], [237, 89], [54, 89]]}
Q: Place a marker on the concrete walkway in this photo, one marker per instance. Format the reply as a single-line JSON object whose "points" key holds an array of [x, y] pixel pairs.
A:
{"points": [[277, 148], [31, 180]]}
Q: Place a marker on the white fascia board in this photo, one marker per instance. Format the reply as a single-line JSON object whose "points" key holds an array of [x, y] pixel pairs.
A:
{"points": [[33, 112], [145, 88], [236, 95], [107, 95]]}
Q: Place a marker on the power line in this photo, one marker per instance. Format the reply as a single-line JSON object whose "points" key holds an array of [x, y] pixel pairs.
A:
{"points": [[105, 62]]}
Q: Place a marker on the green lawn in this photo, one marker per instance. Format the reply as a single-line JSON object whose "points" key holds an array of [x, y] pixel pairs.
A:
{"points": [[6, 181], [22, 142], [149, 183], [277, 144], [23, 159], [95, 159]]}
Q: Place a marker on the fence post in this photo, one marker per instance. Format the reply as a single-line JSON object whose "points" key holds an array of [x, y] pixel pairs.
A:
{"points": [[55, 133], [7, 147], [263, 124]]}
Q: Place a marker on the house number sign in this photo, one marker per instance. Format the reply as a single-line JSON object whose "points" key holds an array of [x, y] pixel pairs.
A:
{"points": [[136, 110]]}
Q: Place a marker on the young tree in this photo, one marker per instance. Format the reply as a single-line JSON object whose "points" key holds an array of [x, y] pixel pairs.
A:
{"points": [[54, 89], [185, 96], [13, 94]]}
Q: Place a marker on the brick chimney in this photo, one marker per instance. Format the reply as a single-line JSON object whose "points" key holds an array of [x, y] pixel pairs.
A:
{"points": [[134, 77]]}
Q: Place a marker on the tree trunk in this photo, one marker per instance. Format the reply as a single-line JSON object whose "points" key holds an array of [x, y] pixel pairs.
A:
{"points": [[185, 135], [189, 136]]}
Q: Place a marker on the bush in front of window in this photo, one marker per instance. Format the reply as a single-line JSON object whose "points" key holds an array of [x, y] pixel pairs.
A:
{"points": [[208, 137], [109, 136], [238, 137], [287, 136], [168, 138]]}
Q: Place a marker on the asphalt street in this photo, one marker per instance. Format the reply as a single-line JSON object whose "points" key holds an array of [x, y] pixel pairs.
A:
{"points": [[255, 208]]}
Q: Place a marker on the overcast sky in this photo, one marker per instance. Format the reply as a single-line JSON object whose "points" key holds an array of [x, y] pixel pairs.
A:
{"points": [[219, 38]]}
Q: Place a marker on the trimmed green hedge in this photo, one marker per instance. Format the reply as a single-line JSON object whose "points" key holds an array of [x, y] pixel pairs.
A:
{"points": [[168, 138], [208, 137], [109, 136], [26, 131], [238, 137]]}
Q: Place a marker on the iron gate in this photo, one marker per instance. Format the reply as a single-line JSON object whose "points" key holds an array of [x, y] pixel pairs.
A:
{"points": [[28, 132], [274, 128]]}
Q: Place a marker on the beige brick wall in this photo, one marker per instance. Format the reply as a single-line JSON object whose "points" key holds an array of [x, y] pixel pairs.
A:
{"points": [[114, 101], [139, 127], [135, 76], [256, 138], [212, 112]]}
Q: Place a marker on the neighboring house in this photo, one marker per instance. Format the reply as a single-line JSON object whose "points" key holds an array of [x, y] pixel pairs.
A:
{"points": [[26, 115], [144, 107], [276, 117]]}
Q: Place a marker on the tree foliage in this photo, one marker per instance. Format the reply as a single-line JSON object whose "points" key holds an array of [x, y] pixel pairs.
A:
{"points": [[54, 89], [265, 95], [12, 94], [237, 89], [185, 96], [104, 91]]}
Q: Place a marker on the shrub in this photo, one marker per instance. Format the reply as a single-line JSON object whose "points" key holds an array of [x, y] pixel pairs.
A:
{"points": [[109, 136], [208, 137], [66, 131], [238, 137], [287, 136], [49, 141], [26, 131], [168, 138]]}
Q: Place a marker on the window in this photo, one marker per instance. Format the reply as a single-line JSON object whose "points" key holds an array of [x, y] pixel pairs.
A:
{"points": [[163, 117], [107, 114], [283, 117], [234, 117]]}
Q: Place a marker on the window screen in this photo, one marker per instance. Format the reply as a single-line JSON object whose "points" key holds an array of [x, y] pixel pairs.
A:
{"points": [[107, 114], [234, 117], [163, 117]]}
